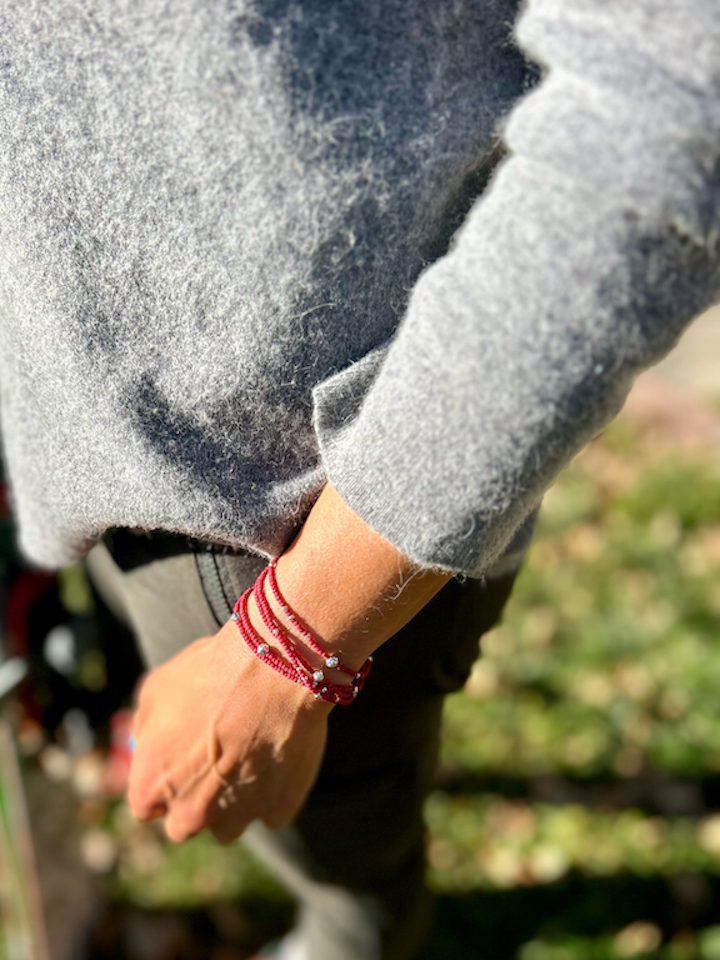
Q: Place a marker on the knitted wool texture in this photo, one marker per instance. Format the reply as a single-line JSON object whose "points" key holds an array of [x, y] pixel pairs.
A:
{"points": [[228, 272]]}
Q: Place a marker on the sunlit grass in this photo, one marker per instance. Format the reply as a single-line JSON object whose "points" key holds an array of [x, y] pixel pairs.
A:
{"points": [[607, 667], [488, 841], [608, 661]]}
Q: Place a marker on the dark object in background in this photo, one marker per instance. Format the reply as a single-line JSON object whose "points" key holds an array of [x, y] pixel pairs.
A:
{"points": [[78, 659]]}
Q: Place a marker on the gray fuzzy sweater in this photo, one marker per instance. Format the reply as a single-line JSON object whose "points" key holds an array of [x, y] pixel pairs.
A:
{"points": [[230, 262]]}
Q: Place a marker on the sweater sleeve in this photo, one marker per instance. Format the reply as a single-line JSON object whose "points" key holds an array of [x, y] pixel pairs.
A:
{"points": [[596, 244]]}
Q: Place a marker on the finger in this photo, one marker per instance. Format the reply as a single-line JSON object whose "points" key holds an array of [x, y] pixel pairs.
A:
{"points": [[229, 827], [278, 819], [147, 810], [146, 806], [231, 812], [154, 813], [191, 812], [185, 819], [282, 810], [148, 795]]}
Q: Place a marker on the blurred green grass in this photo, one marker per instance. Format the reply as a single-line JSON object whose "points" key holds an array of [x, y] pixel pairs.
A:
{"points": [[606, 670], [608, 661]]}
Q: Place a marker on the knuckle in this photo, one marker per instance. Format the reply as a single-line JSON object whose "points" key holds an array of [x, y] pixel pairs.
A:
{"points": [[185, 821], [142, 804], [141, 811], [175, 833], [143, 799]]}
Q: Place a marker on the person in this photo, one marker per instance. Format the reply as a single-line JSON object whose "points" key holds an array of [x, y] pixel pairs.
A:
{"points": [[267, 290]]}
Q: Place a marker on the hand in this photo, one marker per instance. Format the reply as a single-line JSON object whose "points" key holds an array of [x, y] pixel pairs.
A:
{"points": [[221, 740]]}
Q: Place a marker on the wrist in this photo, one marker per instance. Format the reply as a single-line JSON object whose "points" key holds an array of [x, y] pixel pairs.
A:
{"points": [[316, 661], [290, 647], [350, 585], [257, 679], [317, 614]]}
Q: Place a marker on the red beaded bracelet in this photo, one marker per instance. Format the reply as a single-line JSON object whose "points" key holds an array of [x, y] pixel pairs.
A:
{"points": [[331, 662], [296, 667]]}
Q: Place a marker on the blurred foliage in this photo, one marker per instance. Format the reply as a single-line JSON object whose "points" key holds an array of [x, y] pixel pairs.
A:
{"points": [[75, 592], [608, 661], [606, 669], [151, 872], [490, 841]]}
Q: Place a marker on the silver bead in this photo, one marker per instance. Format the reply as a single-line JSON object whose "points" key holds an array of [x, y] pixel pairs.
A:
{"points": [[263, 650], [235, 615], [318, 695], [331, 662], [318, 676]]}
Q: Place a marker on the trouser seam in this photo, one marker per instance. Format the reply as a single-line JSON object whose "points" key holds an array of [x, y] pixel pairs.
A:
{"points": [[209, 576], [228, 601]]}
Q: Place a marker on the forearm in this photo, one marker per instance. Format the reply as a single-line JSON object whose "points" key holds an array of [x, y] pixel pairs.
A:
{"points": [[352, 587]]}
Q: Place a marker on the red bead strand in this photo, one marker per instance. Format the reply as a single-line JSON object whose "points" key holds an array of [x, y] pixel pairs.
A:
{"points": [[275, 628], [331, 661], [298, 669], [256, 642]]}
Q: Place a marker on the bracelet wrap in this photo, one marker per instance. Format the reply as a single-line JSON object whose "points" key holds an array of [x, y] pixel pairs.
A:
{"points": [[294, 664]]}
